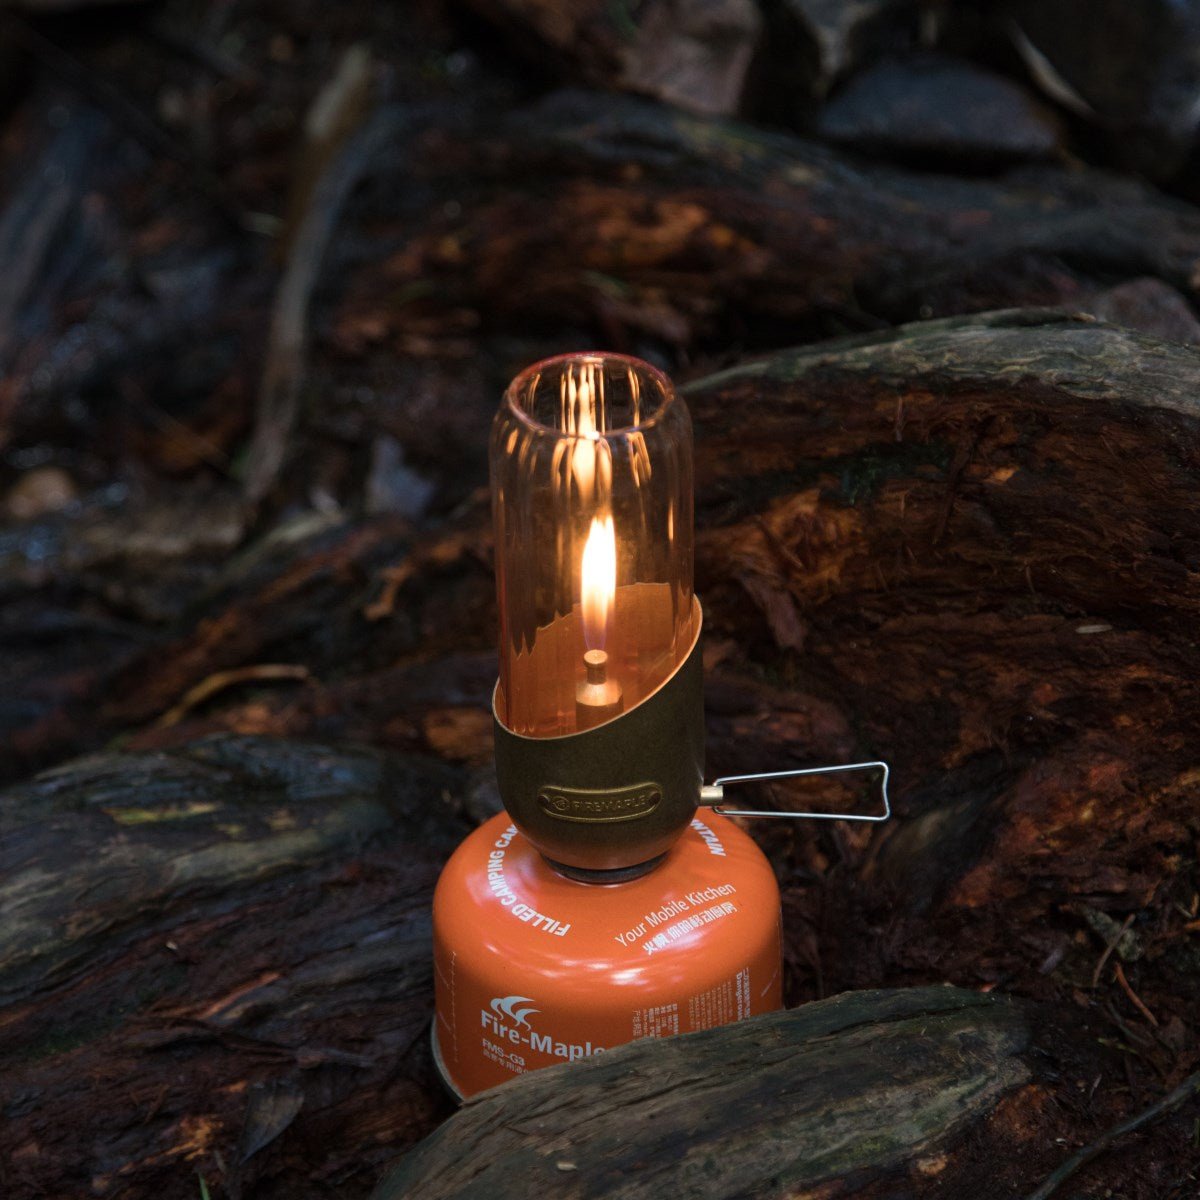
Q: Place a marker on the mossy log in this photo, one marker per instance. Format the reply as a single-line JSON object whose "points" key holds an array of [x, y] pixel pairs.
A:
{"points": [[831, 1099], [978, 539], [204, 950]]}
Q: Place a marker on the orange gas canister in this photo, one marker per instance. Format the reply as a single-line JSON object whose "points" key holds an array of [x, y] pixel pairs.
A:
{"points": [[533, 968]]}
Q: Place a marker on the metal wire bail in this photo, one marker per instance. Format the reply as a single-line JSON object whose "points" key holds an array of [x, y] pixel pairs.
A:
{"points": [[714, 793]]}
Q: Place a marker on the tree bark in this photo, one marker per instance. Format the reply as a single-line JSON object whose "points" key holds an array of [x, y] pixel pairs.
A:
{"points": [[650, 222], [215, 962], [852, 1091], [978, 540]]}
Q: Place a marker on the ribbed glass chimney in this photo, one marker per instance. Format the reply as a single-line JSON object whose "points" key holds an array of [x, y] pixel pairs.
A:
{"points": [[591, 471]]}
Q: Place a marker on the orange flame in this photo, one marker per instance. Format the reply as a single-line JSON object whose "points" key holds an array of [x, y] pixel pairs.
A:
{"points": [[599, 582]]}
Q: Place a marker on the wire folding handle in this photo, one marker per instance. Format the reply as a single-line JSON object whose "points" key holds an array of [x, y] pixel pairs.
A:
{"points": [[714, 793]]}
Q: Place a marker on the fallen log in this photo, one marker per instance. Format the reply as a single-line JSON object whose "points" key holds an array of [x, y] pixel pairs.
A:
{"points": [[849, 1090], [696, 56], [230, 943], [649, 223], [982, 530], [859, 1089], [918, 522], [207, 949], [985, 564]]}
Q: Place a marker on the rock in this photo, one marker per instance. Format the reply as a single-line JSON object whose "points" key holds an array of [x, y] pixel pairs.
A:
{"points": [[1131, 69], [939, 110], [1149, 306], [692, 53]]}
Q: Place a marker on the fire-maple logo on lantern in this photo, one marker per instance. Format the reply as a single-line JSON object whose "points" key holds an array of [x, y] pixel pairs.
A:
{"points": [[598, 805], [506, 1006], [506, 1016]]}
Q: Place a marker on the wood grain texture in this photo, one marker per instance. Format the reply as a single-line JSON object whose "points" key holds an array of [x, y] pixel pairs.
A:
{"points": [[847, 1088], [983, 536], [205, 948]]}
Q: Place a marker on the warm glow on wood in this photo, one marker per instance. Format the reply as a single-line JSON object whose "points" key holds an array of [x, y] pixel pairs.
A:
{"points": [[599, 581]]}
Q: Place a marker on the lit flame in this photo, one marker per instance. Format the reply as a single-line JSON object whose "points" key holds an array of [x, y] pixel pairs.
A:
{"points": [[599, 582]]}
